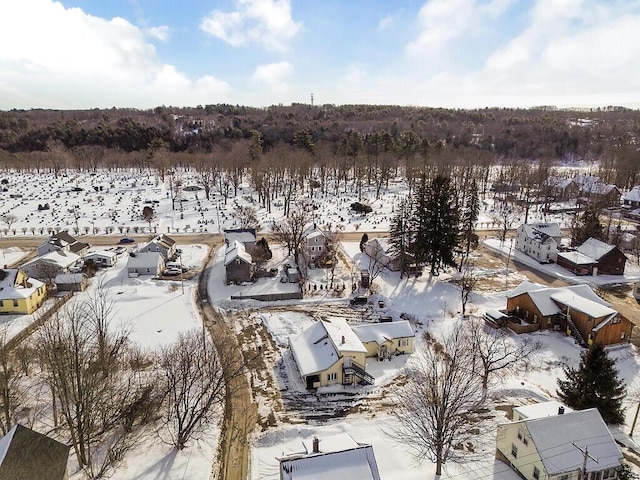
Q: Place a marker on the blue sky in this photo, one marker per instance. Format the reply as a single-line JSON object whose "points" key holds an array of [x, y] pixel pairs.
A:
{"points": [[449, 53]]}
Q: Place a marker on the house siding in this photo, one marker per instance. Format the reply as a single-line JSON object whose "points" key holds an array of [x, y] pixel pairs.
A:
{"points": [[612, 263], [523, 307], [239, 271], [527, 455]]}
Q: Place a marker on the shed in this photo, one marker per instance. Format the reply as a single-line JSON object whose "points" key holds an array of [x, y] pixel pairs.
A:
{"points": [[71, 282]]}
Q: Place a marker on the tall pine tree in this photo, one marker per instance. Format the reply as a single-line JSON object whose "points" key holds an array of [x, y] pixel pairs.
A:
{"points": [[595, 384], [400, 236], [588, 225], [468, 219], [435, 224]]}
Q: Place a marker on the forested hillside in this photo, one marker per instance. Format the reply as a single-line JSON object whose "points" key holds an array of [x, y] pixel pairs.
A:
{"points": [[405, 136]]}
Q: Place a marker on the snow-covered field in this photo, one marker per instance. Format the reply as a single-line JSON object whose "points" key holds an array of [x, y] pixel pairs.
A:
{"points": [[112, 202]]}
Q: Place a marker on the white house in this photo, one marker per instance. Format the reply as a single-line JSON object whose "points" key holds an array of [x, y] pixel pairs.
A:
{"points": [[380, 250], [62, 241], [334, 457], [385, 339], [552, 447], [50, 264], [102, 258], [145, 263], [329, 353], [315, 244], [163, 244], [539, 240]]}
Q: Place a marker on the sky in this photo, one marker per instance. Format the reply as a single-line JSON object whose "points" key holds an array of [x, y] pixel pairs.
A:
{"points": [[442, 53]]}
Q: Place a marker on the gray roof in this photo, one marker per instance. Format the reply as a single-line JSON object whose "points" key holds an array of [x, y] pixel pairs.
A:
{"points": [[381, 332], [595, 248], [29, 455], [555, 436]]}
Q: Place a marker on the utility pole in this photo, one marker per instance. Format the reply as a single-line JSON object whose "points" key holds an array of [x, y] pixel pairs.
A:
{"points": [[635, 419], [585, 452]]}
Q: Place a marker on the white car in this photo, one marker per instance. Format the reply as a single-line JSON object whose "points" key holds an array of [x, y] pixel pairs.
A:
{"points": [[172, 272]]}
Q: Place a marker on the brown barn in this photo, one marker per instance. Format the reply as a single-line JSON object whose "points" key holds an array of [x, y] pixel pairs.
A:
{"points": [[610, 259], [575, 309]]}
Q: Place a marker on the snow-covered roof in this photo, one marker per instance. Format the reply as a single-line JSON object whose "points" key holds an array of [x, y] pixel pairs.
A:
{"points": [[242, 235], [581, 304], [313, 349], [633, 195], [577, 258], [339, 457], [546, 299], [68, 278], [541, 230], [382, 332], [60, 258], [101, 253], [383, 243], [236, 250], [595, 248], [9, 290], [144, 260], [320, 346], [557, 438], [343, 336], [316, 232], [558, 182], [540, 410]]}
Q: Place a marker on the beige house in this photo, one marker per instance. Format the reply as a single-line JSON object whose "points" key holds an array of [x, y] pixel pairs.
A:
{"points": [[385, 339], [330, 353], [552, 447]]}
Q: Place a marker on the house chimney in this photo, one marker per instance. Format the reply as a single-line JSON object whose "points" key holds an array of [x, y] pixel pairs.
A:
{"points": [[343, 341], [560, 410], [316, 445]]}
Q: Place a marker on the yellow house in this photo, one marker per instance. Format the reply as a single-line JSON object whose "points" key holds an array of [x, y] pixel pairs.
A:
{"points": [[20, 294], [330, 353], [552, 447], [385, 339]]}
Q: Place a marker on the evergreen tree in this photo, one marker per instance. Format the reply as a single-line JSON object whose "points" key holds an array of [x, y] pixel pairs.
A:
{"points": [[588, 225], [436, 224], [400, 236], [468, 219], [595, 384]]}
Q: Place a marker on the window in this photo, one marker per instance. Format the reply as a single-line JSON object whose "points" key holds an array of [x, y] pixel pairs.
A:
{"points": [[332, 377], [623, 335], [313, 249], [15, 303], [514, 451], [1, 303], [536, 473], [520, 435], [564, 477]]}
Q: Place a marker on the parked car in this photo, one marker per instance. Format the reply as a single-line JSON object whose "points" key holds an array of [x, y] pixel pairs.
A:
{"points": [[359, 300], [127, 240], [172, 272]]}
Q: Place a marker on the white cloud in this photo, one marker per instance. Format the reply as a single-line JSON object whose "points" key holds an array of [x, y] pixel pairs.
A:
{"points": [[442, 21], [161, 33], [273, 73], [263, 22], [386, 22], [65, 58], [356, 74]]}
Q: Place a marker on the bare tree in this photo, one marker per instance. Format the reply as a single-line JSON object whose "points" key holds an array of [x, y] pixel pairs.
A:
{"points": [[434, 409], [194, 379], [377, 263], [247, 216], [506, 217], [467, 280], [496, 351], [12, 393], [9, 219], [290, 231], [97, 411]]}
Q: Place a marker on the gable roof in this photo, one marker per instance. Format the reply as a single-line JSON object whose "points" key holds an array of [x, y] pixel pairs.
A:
{"points": [[63, 239], [59, 258], [581, 297], [29, 455], [541, 409], [555, 436], [236, 250], [382, 332], [144, 260], [345, 458], [595, 248], [320, 346], [542, 231], [633, 195], [10, 290], [243, 235]]}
